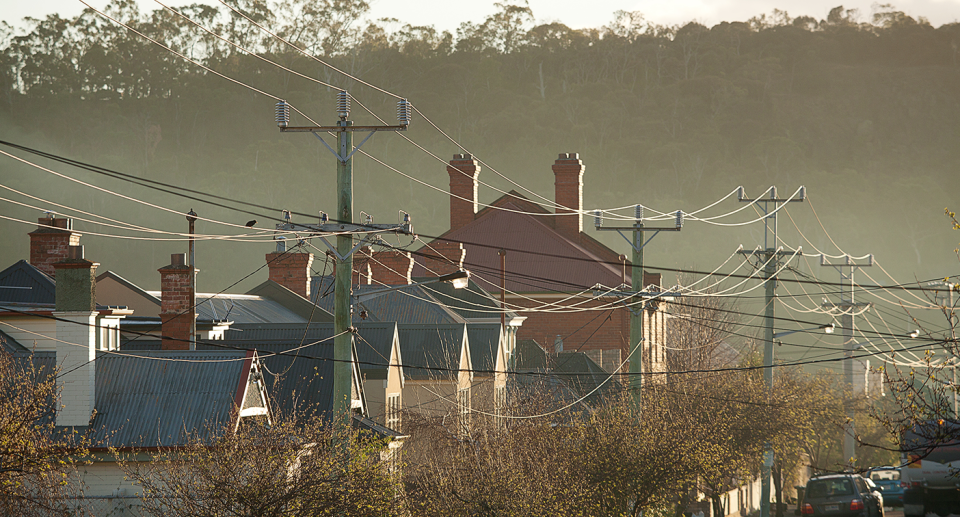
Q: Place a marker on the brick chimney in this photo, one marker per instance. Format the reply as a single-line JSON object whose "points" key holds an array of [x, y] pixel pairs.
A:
{"points": [[291, 270], [442, 257], [50, 245], [568, 170], [463, 171], [391, 267], [176, 298], [76, 336]]}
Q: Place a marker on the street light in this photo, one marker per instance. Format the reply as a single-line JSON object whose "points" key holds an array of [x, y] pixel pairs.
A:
{"points": [[827, 329], [459, 280]]}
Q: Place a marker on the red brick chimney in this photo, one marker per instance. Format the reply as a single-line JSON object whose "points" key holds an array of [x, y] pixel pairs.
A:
{"points": [[50, 245], [176, 298], [442, 257], [391, 267], [291, 270], [463, 171], [362, 269], [568, 170]]}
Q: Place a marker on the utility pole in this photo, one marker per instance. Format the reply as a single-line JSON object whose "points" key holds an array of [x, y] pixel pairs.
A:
{"points": [[345, 230], [771, 256], [847, 306], [635, 298], [191, 219]]}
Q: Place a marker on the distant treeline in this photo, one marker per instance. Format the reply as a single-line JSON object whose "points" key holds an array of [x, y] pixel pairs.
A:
{"points": [[672, 114]]}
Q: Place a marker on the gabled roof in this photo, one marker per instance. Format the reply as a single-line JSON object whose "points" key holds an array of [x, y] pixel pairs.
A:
{"points": [[164, 398], [484, 339], [24, 284], [539, 258], [431, 351], [574, 369], [10, 345], [373, 343], [116, 290], [245, 308], [298, 362], [412, 304], [292, 301], [470, 303]]}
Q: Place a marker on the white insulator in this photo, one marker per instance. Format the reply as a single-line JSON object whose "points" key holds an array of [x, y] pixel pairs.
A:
{"points": [[283, 114], [343, 104], [404, 112]]}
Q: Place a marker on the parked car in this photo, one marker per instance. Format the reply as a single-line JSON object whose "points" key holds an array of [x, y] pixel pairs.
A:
{"points": [[841, 495], [888, 480]]}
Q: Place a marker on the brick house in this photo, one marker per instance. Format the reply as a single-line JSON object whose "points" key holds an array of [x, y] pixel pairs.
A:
{"points": [[550, 262]]}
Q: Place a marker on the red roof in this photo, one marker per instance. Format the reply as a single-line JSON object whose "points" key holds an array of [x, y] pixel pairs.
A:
{"points": [[539, 259]]}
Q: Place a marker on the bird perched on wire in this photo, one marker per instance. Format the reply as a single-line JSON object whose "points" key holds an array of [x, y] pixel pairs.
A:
{"points": [[251, 223]]}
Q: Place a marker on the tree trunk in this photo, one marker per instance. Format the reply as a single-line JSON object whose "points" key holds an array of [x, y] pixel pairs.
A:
{"points": [[717, 505], [777, 472]]}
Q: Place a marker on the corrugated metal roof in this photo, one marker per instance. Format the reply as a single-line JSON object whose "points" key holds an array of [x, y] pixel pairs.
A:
{"points": [[530, 356], [471, 302], [145, 402], [299, 382], [408, 305], [41, 289], [10, 345], [430, 351], [581, 373], [244, 309], [484, 341], [372, 344]]}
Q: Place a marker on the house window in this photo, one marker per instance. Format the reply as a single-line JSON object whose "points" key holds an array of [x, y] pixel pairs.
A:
{"points": [[463, 405], [393, 412]]}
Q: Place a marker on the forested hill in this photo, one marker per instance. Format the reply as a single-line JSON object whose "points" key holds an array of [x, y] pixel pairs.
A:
{"points": [[864, 112]]}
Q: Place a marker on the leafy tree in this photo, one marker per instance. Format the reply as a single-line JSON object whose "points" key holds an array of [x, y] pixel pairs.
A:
{"points": [[36, 459], [286, 468]]}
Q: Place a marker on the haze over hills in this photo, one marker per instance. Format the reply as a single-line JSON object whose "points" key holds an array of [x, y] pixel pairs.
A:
{"points": [[866, 116]]}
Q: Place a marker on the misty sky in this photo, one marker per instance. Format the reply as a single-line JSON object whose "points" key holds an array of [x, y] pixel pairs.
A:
{"points": [[573, 13]]}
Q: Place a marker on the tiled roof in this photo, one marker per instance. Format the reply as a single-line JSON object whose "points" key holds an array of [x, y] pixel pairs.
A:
{"points": [[37, 287], [163, 398]]}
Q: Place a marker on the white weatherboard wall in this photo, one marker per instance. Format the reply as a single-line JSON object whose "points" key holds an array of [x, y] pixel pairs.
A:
{"points": [[76, 351]]}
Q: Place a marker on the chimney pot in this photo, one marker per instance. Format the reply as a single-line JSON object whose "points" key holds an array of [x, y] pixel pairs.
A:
{"points": [[178, 259], [563, 156]]}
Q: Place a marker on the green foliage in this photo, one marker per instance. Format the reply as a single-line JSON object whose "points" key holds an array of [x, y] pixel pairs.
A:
{"points": [[673, 114], [36, 458]]}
